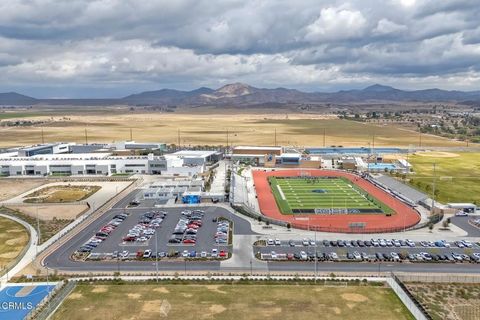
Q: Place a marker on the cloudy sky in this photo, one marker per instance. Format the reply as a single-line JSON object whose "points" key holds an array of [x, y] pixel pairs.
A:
{"points": [[111, 48]]}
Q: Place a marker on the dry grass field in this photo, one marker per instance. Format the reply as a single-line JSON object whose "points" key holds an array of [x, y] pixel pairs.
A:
{"points": [[13, 238], [10, 188], [209, 126], [59, 194], [237, 301], [445, 301]]}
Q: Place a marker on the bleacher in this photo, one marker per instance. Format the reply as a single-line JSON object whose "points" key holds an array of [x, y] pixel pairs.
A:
{"points": [[400, 189]]}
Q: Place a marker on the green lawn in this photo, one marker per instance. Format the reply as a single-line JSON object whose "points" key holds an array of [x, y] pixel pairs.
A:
{"points": [[307, 194], [458, 177], [231, 301]]}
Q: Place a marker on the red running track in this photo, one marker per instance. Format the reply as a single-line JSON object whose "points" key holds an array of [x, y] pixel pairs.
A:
{"points": [[404, 216]]}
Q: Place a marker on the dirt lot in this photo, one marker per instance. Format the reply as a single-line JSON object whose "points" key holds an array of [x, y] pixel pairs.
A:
{"points": [[10, 188], [13, 238], [59, 194], [231, 301], [446, 301], [209, 127], [48, 212]]}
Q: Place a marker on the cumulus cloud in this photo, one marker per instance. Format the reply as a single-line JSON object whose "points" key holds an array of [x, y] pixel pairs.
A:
{"points": [[123, 46], [336, 24]]}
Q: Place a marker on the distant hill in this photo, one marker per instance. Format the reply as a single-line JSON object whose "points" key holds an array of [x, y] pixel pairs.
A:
{"points": [[240, 94], [13, 98]]}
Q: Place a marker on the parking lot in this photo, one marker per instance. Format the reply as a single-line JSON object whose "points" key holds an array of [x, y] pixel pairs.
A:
{"points": [[142, 233], [373, 250]]}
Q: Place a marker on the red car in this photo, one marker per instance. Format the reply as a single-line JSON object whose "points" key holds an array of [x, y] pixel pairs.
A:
{"points": [[128, 238], [193, 226], [222, 254], [140, 254], [197, 222], [189, 241]]}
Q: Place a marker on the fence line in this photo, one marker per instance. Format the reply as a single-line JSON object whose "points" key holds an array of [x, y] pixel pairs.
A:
{"points": [[415, 308], [44, 307], [439, 278]]}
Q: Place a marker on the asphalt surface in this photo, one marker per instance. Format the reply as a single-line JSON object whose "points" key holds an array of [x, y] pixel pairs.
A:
{"points": [[60, 259], [462, 222]]}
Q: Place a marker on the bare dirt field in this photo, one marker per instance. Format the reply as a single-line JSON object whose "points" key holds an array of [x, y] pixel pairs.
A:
{"points": [[49, 212], [10, 188], [61, 193], [210, 126]]}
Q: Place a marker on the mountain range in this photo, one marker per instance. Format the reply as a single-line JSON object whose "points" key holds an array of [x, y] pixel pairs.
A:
{"points": [[237, 94]]}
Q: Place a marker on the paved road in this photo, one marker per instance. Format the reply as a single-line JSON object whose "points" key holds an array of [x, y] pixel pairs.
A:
{"points": [[374, 267], [462, 222]]}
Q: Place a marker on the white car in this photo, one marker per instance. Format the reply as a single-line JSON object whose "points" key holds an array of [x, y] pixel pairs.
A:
{"points": [[312, 243], [467, 243], [303, 255], [203, 254], [305, 242], [333, 256], [277, 242], [270, 242], [214, 253], [273, 254], [185, 253], [395, 256], [357, 255], [410, 243], [147, 253]]}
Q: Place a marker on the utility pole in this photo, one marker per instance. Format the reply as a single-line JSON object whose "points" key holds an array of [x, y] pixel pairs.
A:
{"points": [[433, 188], [227, 139], [324, 137], [373, 140], [275, 139], [156, 253], [38, 229], [178, 136], [131, 135]]}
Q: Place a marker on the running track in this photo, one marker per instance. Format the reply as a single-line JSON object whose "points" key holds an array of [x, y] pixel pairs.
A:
{"points": [[404, 216]]}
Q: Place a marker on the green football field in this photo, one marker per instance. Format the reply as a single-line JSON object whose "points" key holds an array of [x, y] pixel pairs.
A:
{"points": [[323, 195]]}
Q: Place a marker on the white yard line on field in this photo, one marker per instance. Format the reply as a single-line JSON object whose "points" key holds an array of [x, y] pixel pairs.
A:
{"points": [[281, 192]]}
